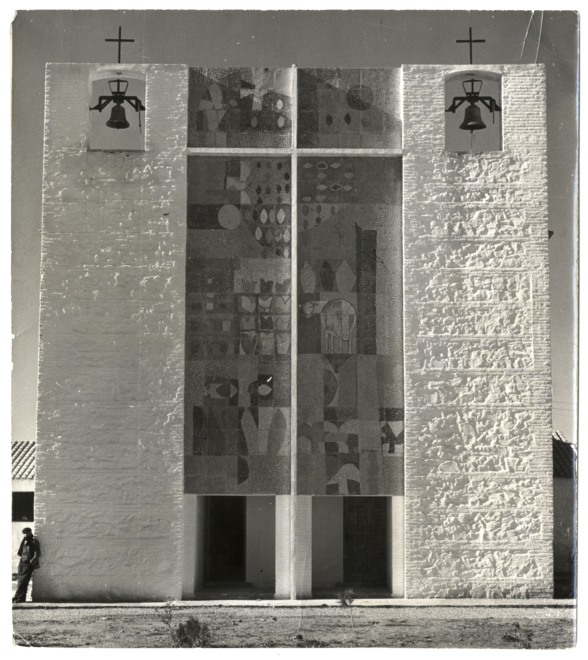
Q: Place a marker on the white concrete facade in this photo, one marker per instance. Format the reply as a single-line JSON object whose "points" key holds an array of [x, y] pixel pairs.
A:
{"points": [[109, 480], [478, 459], [111, 509]]}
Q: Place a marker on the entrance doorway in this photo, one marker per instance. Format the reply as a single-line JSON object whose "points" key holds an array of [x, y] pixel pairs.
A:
{"points": [[364, 540], [225, 540]]}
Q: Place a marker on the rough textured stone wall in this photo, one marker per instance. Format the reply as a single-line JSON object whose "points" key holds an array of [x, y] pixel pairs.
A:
{"points": [[111, 367], [479, 519]]}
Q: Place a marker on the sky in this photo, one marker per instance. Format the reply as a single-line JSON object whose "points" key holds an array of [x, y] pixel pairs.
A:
{"points": [[282, 38]]}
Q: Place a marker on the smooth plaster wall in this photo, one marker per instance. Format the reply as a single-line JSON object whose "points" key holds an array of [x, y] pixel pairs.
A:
{"points": [[478, 449], [194, 510], [109, 484]]}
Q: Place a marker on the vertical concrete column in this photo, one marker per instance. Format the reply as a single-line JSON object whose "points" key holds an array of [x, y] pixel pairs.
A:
{"points": [[293, 547], [302, 543], [395, 545], [283, 547], [193, 545], [189, 547], [396, 523]]}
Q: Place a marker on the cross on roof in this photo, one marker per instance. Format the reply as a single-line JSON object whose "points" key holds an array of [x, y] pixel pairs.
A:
{"points": [[470, 41], [119, 41]]}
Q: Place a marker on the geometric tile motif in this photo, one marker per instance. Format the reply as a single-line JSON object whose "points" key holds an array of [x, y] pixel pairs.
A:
{"points": [[247, 107], [350, 416], [238, 326], [237, 475], [248, 198], [349, 108]]}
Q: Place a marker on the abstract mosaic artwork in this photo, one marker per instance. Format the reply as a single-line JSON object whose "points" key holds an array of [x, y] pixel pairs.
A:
{"points": [[249, 107], [349, 108], [349, 328], [238, 334]]}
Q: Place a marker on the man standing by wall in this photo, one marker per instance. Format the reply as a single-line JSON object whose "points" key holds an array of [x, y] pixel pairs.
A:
{"points": [[29, 553]]}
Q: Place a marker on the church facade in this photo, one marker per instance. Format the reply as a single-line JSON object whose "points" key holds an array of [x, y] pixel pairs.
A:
{"points": [[294, 333]]}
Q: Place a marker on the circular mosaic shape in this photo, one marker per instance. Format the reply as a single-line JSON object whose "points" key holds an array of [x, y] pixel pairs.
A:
{"points": [[229, 216], [360, 97]]}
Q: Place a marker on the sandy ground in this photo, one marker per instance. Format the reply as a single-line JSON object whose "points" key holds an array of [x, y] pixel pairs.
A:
{"points": [[258, 627]]}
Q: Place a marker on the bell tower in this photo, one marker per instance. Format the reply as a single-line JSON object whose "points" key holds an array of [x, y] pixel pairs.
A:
{"points": [[477, 341], [111, 362]]}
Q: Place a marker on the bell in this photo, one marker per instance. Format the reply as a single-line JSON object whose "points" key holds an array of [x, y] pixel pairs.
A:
{"points": [[118, 119], [472, 120]]}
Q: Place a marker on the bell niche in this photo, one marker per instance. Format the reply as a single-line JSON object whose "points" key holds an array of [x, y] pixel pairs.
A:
{"points": [[117, 111], [473, 112]]}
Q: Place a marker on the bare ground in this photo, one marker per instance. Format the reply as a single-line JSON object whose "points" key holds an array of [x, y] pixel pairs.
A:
{"points": [[258, 627]]}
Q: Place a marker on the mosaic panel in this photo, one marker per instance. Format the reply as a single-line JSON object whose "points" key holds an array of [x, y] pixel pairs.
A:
{"points": [[238, 330], [349, 108], [350, 365], [248, 107]]}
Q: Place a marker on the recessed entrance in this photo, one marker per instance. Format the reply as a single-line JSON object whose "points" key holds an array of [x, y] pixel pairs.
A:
{"points": [[364, 540], [225, 540]]}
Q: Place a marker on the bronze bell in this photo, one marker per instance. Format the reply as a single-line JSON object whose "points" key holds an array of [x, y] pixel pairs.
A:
{"points": [[118, 118], [472, 120]]}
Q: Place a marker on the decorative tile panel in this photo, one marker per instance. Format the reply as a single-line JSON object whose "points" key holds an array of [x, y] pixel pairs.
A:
{"points": [[238, 332], [247, 107], [350, 108], [350, 367]]}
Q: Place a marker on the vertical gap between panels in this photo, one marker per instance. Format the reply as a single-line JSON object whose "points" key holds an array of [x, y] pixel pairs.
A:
{"points": [[294, 289], [294, 330]]}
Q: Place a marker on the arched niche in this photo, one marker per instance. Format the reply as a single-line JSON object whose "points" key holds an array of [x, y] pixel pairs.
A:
{"points": [[102, 137], [478, 141]]}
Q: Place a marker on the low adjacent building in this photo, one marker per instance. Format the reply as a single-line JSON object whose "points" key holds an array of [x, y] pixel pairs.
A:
{"points": [[23, 494]]}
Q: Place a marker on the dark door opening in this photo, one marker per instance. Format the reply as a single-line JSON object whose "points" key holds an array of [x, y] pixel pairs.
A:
{"points": [[225, 540], [23, 507], [364, 544]]}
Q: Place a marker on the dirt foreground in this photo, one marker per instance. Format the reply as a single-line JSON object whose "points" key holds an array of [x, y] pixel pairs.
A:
{"points": [[302, 627]]}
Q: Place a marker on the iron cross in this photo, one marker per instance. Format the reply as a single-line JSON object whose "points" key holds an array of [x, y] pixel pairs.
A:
{"points": [[121, 40], [470, 41]]}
